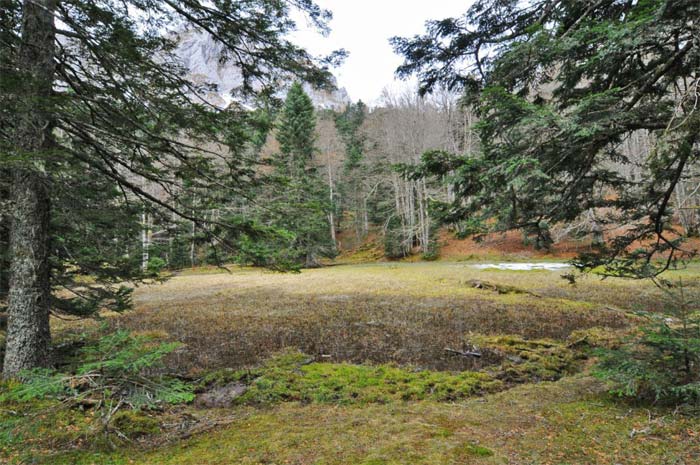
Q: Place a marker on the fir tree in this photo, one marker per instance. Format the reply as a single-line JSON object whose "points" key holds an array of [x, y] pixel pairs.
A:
{"points": [[296, 130], [301, 205], [98, 122], [349, 124]]}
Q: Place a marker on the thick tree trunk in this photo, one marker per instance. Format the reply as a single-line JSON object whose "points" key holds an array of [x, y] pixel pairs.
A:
{"points": [[311, 260], [28, 335]]}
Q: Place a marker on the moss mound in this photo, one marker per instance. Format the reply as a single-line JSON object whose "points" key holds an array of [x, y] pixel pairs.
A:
{"points": [[135, 424], [596, 337], [528, 360], [294, 377]]}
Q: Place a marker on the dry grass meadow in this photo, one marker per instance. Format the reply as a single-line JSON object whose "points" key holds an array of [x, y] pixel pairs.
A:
{"points": [[403, 313], [366, 378]]}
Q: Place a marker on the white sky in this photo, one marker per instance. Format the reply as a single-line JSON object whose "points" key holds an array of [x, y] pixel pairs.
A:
{"points": [[363, 28]]}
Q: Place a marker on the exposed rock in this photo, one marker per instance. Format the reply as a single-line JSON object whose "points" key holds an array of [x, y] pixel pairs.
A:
{"points": [[200, 53], [221, 397]]}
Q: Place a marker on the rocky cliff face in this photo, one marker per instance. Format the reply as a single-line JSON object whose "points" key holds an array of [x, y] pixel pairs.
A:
{"points": [[200, 54]]}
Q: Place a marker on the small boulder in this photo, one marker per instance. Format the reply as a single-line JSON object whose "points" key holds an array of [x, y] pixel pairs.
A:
{"points": [[221, 397]]}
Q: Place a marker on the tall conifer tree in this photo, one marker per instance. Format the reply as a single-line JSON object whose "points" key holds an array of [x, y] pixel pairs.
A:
{"points": [[348, 124], [301, 206], [98, 122]]}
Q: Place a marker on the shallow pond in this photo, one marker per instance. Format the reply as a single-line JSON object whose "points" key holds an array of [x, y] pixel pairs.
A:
{"points": [[549, 266]]}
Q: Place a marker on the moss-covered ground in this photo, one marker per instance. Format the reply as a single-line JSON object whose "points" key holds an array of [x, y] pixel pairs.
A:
{"points": [[348, 365]]}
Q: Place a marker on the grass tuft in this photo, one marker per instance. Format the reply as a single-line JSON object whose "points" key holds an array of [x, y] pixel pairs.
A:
{"points": [[469, 450]]}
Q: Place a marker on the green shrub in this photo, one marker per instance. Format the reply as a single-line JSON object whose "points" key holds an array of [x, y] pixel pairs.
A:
{"points": [[155, 265], [661, 361], [114, 369]]}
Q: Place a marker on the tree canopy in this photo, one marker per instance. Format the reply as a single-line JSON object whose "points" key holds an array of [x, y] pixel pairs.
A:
{"points": [[297, 203], [100, 123], [558, 86]]}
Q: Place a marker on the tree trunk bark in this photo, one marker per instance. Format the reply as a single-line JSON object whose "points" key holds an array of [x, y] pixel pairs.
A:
{"points": [[28, 334], [365, 219], [145, 241], [193, 235], [5, 183], [331, 216]]}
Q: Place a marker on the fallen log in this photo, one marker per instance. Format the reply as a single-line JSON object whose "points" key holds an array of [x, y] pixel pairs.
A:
{"points": [[463, 353], [499, 288]]}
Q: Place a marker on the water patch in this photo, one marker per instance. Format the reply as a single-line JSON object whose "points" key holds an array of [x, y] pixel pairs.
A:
{"points": [[523, 266]]}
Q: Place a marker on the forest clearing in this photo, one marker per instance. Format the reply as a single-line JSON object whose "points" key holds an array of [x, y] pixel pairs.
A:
{"points": [[348, 364], [363, 232]]}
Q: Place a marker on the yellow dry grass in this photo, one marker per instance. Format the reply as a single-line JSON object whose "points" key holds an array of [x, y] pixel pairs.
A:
{"points": [[404, 313]]}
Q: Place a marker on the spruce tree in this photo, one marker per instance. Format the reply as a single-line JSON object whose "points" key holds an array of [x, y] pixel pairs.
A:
{"points": [[296, 130], [301, 205], [354, 195], [348, 124], [98, 123]]}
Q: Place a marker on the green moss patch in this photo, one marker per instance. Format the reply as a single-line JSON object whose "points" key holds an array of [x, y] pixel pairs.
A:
{"points": [[528, 360], [293, 377], [135, 424], [40, 425], [566, 422], [596, 337]]}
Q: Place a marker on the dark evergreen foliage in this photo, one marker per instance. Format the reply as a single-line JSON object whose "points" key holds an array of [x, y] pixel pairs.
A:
{"points": [[295, 130], [348, 124], [294, 207], [353, 192], [559, 85], [661, 361], [105, 125]]}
